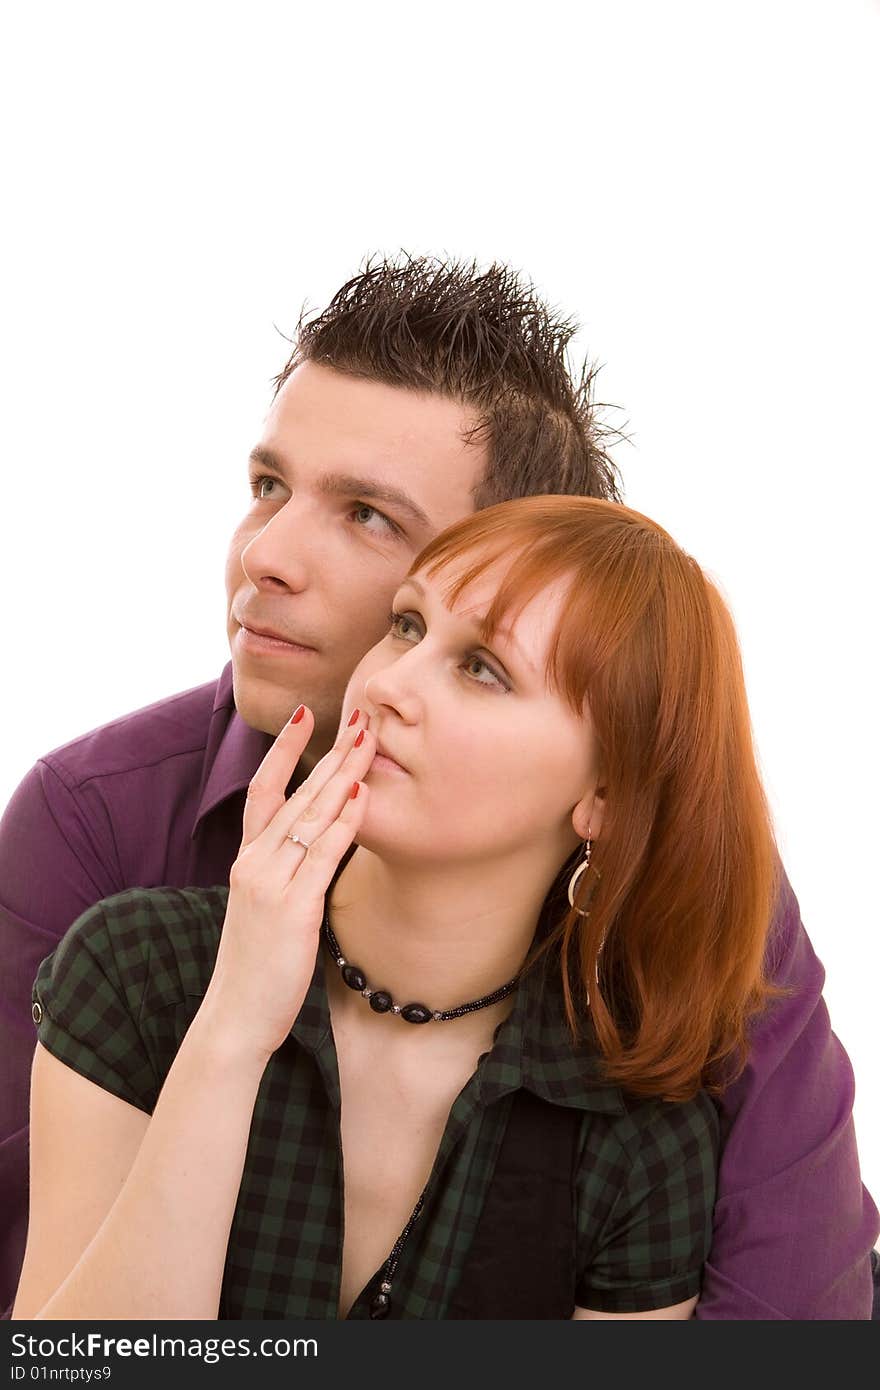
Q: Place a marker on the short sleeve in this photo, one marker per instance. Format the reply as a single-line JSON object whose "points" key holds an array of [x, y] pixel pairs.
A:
{"points": [[656, 1237], [85, 1009]]}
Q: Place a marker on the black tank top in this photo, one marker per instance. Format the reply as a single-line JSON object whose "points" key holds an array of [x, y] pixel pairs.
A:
{"points": [[522, 1261]]}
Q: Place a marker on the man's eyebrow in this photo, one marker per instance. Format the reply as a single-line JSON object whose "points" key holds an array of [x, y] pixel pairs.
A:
{"points": [[266, 458], [473, 620], [350, 485]]}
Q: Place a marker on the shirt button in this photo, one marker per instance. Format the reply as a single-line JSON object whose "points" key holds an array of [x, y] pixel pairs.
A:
{"points": [[37, 1011]]}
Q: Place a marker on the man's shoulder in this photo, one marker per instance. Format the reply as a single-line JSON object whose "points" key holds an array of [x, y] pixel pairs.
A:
{"points": [[166, 729]]}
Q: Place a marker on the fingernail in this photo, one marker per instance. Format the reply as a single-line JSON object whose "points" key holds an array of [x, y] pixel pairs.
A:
{"points": [[359, 740], [298, 714], [354, 791], [354, 718]]}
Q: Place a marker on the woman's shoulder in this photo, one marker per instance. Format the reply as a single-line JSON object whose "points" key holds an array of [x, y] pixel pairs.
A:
{"points": [[663, 1124], [178, 914], [154, 945], [648, 1137], [115, 998], [645, 1206]]}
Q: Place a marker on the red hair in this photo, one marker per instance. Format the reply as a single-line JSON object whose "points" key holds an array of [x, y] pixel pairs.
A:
{"points": [[668, 965]]}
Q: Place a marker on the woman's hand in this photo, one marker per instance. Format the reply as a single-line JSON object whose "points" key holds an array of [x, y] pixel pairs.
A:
{"points": [[273, 920]]}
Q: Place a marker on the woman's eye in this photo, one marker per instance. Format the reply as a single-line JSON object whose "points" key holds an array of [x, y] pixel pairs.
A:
{"points": [[487, 672], [364, 515], [403, 627], [408, 629]]}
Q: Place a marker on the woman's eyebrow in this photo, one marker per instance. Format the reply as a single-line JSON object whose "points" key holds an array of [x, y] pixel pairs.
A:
{"points": [[476, 621]]}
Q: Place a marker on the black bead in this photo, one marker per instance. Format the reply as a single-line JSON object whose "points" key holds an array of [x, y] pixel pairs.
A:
{"points": [[380, 1001], [354, 978], [416, 1013], [380, 1306]]}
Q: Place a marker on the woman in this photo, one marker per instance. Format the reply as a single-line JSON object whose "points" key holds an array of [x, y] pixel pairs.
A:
{"points": [[557, 711]]}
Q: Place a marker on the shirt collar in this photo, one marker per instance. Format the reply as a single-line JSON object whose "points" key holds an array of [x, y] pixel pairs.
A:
{"points": [[533, 1049], [233, 751]]}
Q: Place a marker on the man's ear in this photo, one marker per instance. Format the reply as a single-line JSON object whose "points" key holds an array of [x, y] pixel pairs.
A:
{"points": [[588, 814]]}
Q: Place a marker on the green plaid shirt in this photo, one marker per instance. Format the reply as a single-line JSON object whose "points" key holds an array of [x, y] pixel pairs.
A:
{"points": [[117, 996]]}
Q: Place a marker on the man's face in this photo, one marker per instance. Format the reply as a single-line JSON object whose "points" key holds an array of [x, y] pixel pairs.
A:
{"points": [[350, 479]]}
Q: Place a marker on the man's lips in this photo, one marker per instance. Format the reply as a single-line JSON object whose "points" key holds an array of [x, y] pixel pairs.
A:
{"points": [[270, 634]]}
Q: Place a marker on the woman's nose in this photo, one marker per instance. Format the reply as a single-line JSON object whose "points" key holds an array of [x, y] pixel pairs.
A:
{"points": [[396, 685]]}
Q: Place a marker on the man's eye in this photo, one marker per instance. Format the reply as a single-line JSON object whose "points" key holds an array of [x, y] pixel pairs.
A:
{"points": [[259, 486], [367, 517]]}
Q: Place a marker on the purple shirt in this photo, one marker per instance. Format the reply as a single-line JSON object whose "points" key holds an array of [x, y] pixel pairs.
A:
{"points": [[156, 798]]}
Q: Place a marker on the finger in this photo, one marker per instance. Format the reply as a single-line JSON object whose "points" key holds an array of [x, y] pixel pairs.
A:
{"points": [[312, 878], [331, 762], [266, 790], [274, 815], [309, 820]]}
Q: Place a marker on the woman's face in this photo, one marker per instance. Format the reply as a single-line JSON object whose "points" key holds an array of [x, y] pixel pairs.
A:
{"points": [[488, 761]]}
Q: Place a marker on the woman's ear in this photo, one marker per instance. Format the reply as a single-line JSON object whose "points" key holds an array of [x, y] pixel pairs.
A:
{"points": [[587, 815]]}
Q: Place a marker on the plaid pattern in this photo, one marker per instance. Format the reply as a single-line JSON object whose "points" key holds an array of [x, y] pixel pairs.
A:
{"points": [[118, 995]]}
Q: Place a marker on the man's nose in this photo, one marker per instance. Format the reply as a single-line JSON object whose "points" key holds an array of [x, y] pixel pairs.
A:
{"points": [[277, 556]]}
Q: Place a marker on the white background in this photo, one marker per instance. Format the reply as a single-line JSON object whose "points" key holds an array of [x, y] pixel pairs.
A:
{"points": [[697, 182]]}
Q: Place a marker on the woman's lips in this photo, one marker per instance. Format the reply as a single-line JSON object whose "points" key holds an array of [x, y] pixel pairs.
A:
{"points": [[382, 763]]}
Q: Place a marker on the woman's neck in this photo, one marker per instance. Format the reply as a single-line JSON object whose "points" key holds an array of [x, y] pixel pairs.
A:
{"points": [[436, 936]]}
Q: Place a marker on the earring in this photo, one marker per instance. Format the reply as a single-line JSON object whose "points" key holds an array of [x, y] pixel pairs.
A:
{"points": [[580, 871]]}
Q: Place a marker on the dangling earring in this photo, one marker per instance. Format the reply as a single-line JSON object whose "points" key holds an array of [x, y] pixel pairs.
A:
{"points": [[580, 871], [572, 885]]}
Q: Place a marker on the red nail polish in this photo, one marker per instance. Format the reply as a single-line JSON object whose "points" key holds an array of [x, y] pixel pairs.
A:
{"points": [[298, 714], [354, 791], [354, 718], [359, 740]]}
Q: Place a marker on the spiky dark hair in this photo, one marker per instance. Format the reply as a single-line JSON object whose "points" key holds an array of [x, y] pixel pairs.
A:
{"points": [[483, 337]]}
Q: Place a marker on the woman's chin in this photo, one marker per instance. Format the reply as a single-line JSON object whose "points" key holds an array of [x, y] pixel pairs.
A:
{"points": [[372, 835], [390, 837]]}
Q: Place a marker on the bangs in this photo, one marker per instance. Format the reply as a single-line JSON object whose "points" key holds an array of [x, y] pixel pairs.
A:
{"points": [[612, 559], [533, 564]]}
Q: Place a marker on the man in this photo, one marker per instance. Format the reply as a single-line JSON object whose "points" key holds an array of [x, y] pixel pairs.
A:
{"points": [[423, 391]]}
